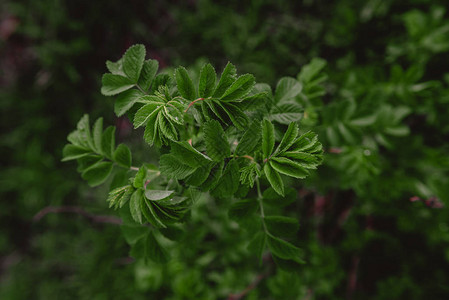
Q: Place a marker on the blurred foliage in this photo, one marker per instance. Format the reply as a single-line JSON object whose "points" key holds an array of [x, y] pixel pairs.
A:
{"points": [[380, 104]]}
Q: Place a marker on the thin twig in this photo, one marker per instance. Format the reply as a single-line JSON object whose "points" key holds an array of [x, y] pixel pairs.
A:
{"points": [[76, 210], [193, 102], [248, 289]]}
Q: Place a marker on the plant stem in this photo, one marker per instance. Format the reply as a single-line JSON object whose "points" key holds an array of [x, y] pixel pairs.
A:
{"points": [[140, 89], [192, 103], [134, 168]]}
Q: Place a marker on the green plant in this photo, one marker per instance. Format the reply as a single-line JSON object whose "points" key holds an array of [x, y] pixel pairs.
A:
{"points": [[225, 138]]}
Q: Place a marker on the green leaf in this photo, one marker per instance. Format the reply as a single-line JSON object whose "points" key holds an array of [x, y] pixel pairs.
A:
{"points": [[98, 173], [71, 152], [288, 167], [189, 155], [134, 206], [122, 156], [214, 177], [148, 73], [155, 251], [287, 88], [133, 62], [286, 113], [240, 88], [108, 141], [133, 233], [217, 146], [151, 127], [150, 215], [173, 167], [274, 179], [126, 100], [226, 80], [257, 244], [200, 175], [139, 179], [281, 226], [267, 138], [288, 139], [305, 142], [207, 81], [306, 160], [83, 132], [146, 112], [185, 84], [166, 127], [242, 209], [235, 114], [309, 71], [155, 195], [115, 84], [119, 196], [250, 139], [229, 181], [88, 161], [284, 249], [115, 67], [97, 133]]}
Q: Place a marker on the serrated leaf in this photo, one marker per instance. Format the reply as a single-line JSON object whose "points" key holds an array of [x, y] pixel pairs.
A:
{"points": [[150, 132], [250, 139], [185, 84], [88, 161], [214, 177], [173, 167], [217, 146], [166, 127], [155, 251], [199, 176], [133, 62], [274, 179], [189, 155], [148, 211], [288, 139], [149, 70], [281, 226], [286, 113], [119, 196], [257, 244], [207, 81], [155, 195], [134, 206], [97, 133], [70, 152], [83, 132], [122, 156], [267, 138], [226, 79], [287, 88], [115, 67], [243, 208], [306, 160], [229, 181], [173, 111], [114, 84], [309, 71], [288, 167], [145, 113], [305, 142], [283, 249], [126, 100], [97, 174], [235, 114], [108, 141], [240, 88]]}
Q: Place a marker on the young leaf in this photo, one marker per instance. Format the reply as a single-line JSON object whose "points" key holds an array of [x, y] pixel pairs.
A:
{"points": [[122, 156], [240, 88], [284, 249], [217, 146], [288, 139], [133, 62], [149, 70], [97, 174], [274, 179], [267, 138], [288, 167], [207, 81], [226, 80], [287, 88], [115, 84], [146, 112], [166, 127], [155, 195], [115, 67], [185, 84], [189, 155], [134, 206], [250, 139]]}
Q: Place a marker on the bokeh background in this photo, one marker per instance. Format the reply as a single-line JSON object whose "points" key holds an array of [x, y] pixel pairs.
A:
{"points": [[365, 239]]}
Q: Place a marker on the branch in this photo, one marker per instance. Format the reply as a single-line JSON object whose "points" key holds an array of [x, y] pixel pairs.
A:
{"points": [[76, 210], [192, 103]]}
